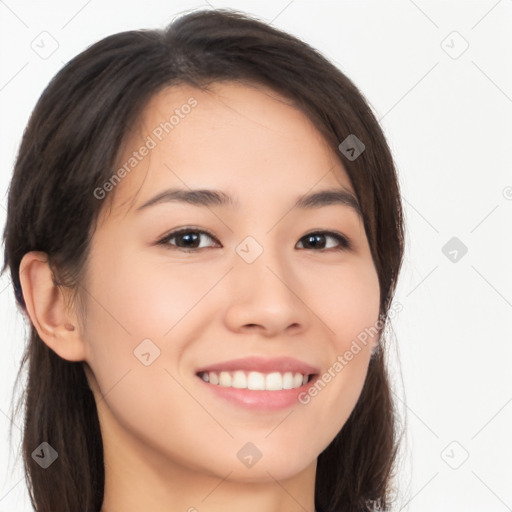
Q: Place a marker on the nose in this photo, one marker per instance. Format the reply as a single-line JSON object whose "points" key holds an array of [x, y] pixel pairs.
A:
{"points": [[265, 296]]}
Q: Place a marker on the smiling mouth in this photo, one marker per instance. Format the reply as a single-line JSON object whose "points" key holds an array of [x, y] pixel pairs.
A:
{"points": [[256, 381]]}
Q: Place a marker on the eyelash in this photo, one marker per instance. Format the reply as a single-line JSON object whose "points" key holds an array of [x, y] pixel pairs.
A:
{"points": [[344, 243]]}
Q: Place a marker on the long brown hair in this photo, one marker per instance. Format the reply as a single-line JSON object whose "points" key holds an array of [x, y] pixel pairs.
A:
{"points": [[71, 146]]}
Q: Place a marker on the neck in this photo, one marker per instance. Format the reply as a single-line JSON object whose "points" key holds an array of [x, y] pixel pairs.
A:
{"points": [[182, 490]]}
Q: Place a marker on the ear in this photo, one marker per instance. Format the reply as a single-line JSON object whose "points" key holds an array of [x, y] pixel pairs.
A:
{"points": [[45, 303]]}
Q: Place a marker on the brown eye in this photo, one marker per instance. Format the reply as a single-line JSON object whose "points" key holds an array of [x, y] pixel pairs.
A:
{"points": [[318, 239], [186, 239], [189, 240]]}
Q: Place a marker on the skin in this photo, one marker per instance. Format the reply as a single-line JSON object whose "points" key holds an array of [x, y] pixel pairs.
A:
{"points": [[168, 444]]}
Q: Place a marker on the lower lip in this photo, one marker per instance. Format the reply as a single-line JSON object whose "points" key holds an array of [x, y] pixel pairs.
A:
{"points": [[260, 399]]}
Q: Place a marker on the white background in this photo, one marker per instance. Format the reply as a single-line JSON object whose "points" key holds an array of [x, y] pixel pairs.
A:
{"points": [[448, 122]]}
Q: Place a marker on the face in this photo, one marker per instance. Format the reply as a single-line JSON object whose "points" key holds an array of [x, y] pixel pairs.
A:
{"points": [[255, 289]]}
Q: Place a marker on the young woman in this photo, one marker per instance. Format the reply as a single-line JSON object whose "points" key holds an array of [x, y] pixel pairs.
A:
{"points": [[205, 232]]}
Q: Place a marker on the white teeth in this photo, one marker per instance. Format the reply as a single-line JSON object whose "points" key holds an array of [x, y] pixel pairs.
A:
{"points": [[288, 380], [225, 379], [274, 381], [239, 379], [256, 381]]}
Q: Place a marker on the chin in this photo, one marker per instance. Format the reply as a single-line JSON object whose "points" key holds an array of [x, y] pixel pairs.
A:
{"points": [[282, 467]]}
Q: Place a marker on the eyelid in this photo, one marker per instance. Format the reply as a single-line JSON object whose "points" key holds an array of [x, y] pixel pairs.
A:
{"points": [[345, 244], [187, 229]]}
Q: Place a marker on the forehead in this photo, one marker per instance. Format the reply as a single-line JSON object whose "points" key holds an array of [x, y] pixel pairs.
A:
{"points": [[244, 139]]}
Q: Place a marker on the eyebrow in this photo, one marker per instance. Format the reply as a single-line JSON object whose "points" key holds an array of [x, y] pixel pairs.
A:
{"points": [[212, 198]]}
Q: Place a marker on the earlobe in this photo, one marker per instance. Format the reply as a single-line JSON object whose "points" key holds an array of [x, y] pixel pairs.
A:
{"points": [[46, 307]]}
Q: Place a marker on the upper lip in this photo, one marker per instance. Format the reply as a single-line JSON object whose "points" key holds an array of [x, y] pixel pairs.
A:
{"points": [[262, 365]]}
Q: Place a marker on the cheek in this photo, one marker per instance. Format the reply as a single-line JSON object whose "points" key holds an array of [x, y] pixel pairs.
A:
{"points": [[158, 295], [357, 324], [348, 300], [127, 308], [142, 299], [131, 302], [350, 309]]}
